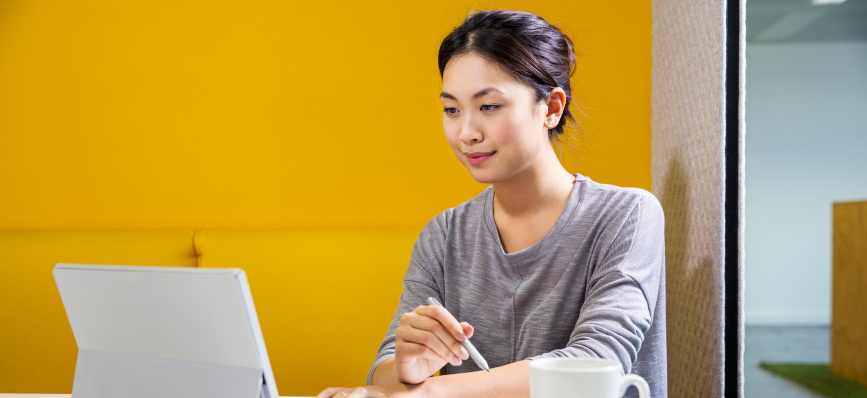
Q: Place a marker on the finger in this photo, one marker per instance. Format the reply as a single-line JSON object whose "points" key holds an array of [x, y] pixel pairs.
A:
{"points": [[329, 392], [418, 351], [404, 351], [444, 317], [358, 393], [407, 316], [432, 343], [350, 392], [362, 392], [468, 329], [433, 326]]}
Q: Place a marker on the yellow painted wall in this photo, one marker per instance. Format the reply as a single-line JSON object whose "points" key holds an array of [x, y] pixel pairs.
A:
{"points": [[271, 113], [257, 114]]}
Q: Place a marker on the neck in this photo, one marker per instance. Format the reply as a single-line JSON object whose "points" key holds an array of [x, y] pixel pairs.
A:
{"points": [[546, 183]]}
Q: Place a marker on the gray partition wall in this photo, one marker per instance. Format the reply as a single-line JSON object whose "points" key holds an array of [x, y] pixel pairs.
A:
{"points": [[697, 149]]}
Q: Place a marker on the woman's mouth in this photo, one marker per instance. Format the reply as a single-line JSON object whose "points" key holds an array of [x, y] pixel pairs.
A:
{"points": [[478, 157]]}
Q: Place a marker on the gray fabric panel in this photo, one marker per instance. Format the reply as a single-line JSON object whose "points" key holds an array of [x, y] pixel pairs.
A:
{"points": [[687, 167]]}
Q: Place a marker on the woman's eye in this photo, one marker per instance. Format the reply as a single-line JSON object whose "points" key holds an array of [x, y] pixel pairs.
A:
{"points": [[489, 107], [450, 111]]}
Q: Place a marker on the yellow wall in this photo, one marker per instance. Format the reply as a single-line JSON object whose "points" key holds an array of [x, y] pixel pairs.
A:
{"points": [[271, 113], [256, 114]]}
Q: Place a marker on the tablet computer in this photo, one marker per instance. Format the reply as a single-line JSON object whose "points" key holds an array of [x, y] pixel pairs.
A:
{"points": [[164, 332]]}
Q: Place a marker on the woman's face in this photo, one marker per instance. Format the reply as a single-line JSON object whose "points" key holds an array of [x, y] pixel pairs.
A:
{"points": [[491, 120]]}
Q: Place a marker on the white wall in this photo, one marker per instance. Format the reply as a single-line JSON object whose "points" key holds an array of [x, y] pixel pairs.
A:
{"points": [[806, 146]]}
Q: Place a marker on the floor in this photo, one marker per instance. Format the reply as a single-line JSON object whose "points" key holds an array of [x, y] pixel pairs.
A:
{"points": [[781, 344]]}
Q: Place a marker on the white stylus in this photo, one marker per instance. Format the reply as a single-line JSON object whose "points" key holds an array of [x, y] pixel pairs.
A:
{"points": [[466, 343]]}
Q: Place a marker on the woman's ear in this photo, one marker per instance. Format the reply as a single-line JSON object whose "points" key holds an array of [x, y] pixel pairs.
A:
{"points": [[556, 105]]}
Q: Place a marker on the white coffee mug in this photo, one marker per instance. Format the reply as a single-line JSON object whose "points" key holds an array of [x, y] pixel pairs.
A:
{"points": [[581, 378]]}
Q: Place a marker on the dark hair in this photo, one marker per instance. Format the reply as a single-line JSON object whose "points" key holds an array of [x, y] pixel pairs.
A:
{"points": [[529, 48]]}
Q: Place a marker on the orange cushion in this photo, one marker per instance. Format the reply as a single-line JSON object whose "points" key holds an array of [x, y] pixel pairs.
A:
{"points": [[37, 350], [324, 296]]}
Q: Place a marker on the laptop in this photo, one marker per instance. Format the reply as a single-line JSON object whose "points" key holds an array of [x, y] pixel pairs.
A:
{"points": [[168, 332]]}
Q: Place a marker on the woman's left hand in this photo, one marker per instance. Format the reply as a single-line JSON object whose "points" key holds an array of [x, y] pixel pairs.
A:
{"points": [[397, 390]]}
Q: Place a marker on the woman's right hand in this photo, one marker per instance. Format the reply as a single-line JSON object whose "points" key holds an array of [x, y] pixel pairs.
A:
{"points": [[426, 339]]}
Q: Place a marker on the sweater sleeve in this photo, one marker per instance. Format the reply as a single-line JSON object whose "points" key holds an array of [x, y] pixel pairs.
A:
{"points": [[423, 279], [622, 292]]}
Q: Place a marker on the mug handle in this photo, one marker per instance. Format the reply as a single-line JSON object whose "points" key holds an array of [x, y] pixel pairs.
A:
{"points": [[637, 381]]}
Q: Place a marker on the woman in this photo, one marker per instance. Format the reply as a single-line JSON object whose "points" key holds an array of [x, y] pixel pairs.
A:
{"points": [[542, 264]]}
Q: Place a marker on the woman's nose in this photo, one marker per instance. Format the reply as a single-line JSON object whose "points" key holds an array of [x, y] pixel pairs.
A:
{"points": [[469, 133]]}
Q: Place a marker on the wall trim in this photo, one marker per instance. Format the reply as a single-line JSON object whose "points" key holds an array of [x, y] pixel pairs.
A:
{"points": [[788, 318]]}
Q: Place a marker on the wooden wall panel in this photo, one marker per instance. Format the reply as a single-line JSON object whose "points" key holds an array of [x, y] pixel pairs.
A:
{"points": [[849, 292]]}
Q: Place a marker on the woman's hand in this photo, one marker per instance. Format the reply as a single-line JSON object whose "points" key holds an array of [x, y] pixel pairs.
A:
{"points": [[389, 390], [426, 339]]}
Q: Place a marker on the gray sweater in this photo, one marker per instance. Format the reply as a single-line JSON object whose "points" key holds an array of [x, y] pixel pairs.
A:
{"points": [[593, 286]]}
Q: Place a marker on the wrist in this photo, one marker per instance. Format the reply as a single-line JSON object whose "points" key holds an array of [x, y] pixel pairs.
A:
{"points": [[427, 388], [411, 375], [385, 373]]}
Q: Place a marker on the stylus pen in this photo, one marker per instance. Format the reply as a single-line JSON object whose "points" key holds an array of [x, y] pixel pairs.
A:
{"points": [[466, 343]]}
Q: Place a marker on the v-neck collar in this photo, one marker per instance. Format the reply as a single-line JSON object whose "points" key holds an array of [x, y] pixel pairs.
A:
{"points": [[532, 251]]}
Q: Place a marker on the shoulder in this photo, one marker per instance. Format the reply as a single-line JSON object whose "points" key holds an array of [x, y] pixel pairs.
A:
{"points": [[631, 232], [443, 231], [451, 220], [614, 202], [614, 214]]}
